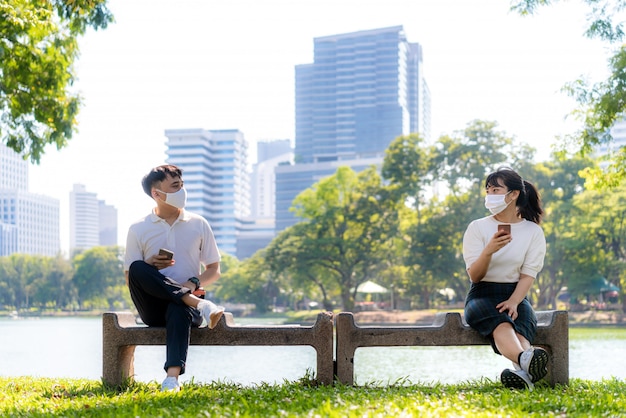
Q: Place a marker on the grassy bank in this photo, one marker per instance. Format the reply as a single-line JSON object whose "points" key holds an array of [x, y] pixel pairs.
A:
{"points": [[30, 397]]}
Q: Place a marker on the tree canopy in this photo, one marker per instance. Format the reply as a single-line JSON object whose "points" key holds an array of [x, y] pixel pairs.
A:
{"points": [[38, 47], [601, 104], [405, 230]]}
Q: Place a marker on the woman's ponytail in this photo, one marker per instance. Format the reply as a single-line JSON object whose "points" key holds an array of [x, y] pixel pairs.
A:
{"points": [[529, 205]]}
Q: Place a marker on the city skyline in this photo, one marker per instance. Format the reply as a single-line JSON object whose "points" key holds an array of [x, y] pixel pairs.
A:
{"points": [[362, 90], [230, 65]]}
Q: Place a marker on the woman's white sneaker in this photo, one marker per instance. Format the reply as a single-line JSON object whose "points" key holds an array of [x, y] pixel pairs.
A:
{"points": [[516, 379], [534, 361]]}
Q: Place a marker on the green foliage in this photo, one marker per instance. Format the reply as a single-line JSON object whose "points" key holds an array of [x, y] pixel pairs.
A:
{"points": [[599, 19], [82, 398], [38, 46], [407, 166], [34, 281], [600, 104], [94, 280], [464, 159], [293, 255], [98, 269], [249, 282], [406, 232], [598, 238], [558, 182], [350, 222]]}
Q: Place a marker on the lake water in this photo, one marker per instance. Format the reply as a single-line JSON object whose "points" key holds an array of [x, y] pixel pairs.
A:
{"points": [[72, 348]]}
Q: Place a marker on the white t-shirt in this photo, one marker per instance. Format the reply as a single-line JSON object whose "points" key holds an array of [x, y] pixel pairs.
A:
{"points": [[190, 238], [523, 255]]}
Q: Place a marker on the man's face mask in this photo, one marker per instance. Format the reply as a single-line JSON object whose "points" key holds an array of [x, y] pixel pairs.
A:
{"points": [[177, 199]]}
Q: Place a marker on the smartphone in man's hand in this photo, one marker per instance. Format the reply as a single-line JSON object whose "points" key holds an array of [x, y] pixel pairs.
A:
{"points": [[167, 253]]}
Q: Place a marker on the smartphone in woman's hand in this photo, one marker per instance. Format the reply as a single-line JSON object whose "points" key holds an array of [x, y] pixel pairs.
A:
{"points": [[505, 227]]}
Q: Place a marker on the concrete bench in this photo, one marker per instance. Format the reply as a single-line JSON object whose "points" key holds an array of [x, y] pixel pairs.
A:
{"points": [[121, 334], [448, 329]]}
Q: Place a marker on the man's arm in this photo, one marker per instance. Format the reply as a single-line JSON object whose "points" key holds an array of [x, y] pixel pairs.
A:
{"points": [[211, 274]]}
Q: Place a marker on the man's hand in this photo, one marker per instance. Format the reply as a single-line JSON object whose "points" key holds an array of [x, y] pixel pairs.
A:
{"points": [[160, 261]]}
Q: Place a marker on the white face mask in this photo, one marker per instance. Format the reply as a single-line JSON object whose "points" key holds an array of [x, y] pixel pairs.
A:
{"points": [[176, 199], [496, 203]]}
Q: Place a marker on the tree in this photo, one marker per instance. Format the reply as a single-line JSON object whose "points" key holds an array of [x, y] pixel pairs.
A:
{"points": [[98, 275], [558, 182], [598, 238], [353, 220], [29, 281], [53, 288], [600, 104], [294, 254], [250, 281], [464, 159], [408, 167], [27, 269], [38, 47], [8, 283], [433, 253]]}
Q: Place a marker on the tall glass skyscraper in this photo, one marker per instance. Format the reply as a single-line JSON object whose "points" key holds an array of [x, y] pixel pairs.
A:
{"points": [[216, 176], [363, 90]]}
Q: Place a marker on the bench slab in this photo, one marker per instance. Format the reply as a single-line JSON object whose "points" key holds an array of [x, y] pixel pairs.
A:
{"points": [[448, 329], [121, 334]]}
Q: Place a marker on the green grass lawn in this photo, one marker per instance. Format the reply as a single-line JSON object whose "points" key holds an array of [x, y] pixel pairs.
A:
{"points": [[40, 397]]}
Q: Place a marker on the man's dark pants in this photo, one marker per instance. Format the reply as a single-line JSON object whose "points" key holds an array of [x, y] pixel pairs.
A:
{"points": [[158, 301]]}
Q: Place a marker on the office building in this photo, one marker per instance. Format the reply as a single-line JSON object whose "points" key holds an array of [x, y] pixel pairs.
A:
{"points": [[618, 135], [291, 180], [216, 176], [92, 222], [13, 170], [29, 222], [270, 154], [362, 91], [259, 230], [107, 224]]}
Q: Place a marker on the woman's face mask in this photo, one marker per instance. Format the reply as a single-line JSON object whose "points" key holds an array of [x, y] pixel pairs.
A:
{"points": [[177, 199], [496, 203]]}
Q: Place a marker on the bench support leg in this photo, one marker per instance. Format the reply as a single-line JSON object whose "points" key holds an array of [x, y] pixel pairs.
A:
{"points": [[118, 359]]}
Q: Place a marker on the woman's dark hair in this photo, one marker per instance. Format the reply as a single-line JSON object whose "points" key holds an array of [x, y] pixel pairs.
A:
{"points": [[157, 175], [528, 202]]}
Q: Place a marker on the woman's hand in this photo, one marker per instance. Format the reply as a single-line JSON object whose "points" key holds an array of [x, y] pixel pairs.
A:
{"points": [[499, 240], [509, 307], [478, 269]]}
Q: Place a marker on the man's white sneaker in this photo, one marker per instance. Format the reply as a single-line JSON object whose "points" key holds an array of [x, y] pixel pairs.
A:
{"points": [[534, 361], [170, 383], [211, 312], [214, 317], [516, 379]]}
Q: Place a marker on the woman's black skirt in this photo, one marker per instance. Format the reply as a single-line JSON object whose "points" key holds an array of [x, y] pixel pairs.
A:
{"points": [[482, 315]]}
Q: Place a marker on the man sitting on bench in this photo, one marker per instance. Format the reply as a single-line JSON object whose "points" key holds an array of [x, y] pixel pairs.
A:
{"points": [[166, 252]]}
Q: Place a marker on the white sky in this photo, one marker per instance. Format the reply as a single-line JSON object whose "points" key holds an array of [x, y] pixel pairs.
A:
{"points": [[229, 64]]}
